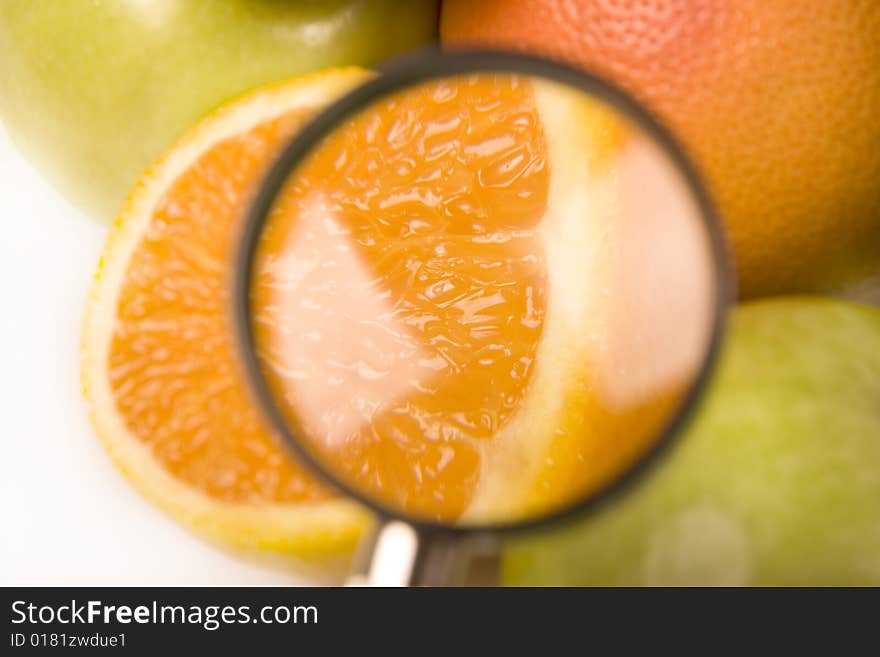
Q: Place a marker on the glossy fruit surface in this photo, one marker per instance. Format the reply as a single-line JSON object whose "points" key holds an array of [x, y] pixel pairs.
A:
{"points": [[94, 91]]}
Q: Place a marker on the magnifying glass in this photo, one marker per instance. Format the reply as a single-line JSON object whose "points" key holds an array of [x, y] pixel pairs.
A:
{"points": [[480, 293]]}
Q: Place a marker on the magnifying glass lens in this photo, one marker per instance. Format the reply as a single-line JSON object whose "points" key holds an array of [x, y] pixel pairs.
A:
{"points": [[478, 299]]}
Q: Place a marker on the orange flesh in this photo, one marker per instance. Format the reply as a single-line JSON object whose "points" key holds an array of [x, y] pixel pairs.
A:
{"points": [[172, 361], [402, 288]]}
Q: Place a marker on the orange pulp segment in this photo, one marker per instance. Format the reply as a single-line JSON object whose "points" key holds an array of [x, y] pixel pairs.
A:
{"points": [[172, 362], [402, 288]]}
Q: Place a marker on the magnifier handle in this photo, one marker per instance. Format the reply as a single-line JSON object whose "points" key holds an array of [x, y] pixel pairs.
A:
{"points": [[397, 554]]}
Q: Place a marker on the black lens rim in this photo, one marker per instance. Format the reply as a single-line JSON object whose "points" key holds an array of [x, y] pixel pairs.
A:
{"points": [[422, 67]]}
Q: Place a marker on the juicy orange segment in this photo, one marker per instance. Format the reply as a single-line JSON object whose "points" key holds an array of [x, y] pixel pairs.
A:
{"points": [[172, 362], [427, 208]]}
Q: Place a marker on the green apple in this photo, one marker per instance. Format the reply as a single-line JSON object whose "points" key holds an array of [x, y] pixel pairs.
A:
{"points": [[777, 482], [92, 91]]}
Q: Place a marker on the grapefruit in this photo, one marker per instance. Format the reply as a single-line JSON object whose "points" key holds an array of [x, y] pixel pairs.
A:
{"points": [[777, 100]]}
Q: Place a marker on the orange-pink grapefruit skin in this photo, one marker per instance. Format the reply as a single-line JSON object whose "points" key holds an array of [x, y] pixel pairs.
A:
{"points": [[778, 100]]}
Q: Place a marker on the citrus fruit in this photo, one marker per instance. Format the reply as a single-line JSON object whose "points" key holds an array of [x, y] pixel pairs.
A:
{"points": [[775, 483], [158, 360], [432, 299], [93, 92], [777, 100]]}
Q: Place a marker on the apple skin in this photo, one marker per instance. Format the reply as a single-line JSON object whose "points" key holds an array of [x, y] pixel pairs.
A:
{"points": [[777, 482], [93, 91]]}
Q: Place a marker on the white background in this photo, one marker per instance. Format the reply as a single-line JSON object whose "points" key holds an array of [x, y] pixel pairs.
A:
{"points": [[67, 517]]}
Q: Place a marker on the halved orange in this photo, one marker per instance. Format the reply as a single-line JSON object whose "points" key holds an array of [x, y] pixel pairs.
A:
{"points": [[485, 208]]}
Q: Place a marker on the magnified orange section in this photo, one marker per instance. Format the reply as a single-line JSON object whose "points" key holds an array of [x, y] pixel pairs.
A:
{"points": [[461, 313], [402, 287]]}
